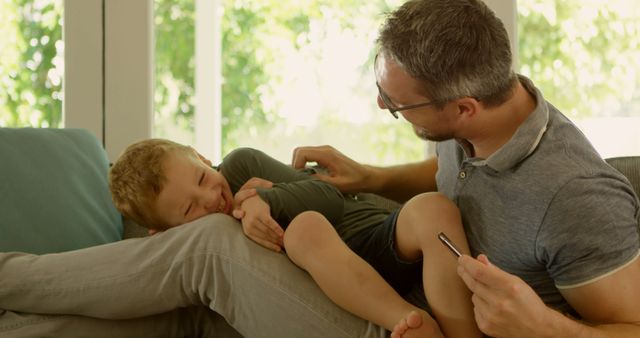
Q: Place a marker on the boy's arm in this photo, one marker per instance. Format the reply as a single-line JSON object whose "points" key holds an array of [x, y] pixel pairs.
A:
{"points": [[259, 226], [287, 200], [293, 191]]}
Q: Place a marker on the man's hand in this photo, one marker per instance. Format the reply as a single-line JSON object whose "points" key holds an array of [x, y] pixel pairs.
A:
{"points": [[258, 224], [346, 174], [504, 305]]}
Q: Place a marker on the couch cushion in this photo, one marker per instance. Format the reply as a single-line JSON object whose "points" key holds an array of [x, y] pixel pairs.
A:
{"points": [[630, 167], [54, 194]]}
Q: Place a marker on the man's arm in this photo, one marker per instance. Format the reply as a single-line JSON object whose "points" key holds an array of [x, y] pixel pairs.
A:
{"points": [[397, 182], [402, 182], [505, 306], [609, 306]]}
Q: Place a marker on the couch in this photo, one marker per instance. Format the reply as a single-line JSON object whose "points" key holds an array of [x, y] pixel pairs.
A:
{"points": [[54, 194]]}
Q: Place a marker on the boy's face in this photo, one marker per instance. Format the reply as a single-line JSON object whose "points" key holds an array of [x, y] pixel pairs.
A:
{"points": [[192, 189]]}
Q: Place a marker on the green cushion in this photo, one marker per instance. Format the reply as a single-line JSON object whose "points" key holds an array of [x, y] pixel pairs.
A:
{"points": [[54, 194]]}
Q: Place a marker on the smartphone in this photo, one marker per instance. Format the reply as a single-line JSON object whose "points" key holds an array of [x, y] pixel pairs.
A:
{"points": [[447, 242]]}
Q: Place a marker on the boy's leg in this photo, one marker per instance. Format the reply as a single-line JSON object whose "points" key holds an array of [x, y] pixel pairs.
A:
{"points": [[312, 243], [207, 262], [184, 322], [419, 222]]}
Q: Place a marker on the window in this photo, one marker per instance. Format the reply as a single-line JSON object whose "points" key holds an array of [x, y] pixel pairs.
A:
{"points": [[584, 55], [31, 63], [293, 73], [299, 73], [174, 70]]}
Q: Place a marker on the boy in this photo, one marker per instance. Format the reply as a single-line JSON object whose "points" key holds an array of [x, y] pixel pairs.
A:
{"points": [[161, 184]]}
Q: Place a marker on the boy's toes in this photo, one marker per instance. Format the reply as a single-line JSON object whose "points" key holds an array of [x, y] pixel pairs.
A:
{"points": [[400, 329], [413, 320]]}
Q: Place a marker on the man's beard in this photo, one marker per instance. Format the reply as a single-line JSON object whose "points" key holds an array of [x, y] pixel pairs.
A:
{"points": [[424, 134]]}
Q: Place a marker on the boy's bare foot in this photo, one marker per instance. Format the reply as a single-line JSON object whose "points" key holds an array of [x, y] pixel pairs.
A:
{"points": [[416, 324]]}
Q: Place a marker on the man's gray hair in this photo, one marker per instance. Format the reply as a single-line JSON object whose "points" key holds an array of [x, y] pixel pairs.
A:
{"points": [[455, 48]]}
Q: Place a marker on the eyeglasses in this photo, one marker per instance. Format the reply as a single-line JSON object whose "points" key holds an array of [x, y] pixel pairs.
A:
{"points": [[393, 110]]}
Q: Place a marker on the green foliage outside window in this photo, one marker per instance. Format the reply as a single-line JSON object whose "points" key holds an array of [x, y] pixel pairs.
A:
{"points": [[256, 37], [583, 54], [31, 63], [174, 67]]}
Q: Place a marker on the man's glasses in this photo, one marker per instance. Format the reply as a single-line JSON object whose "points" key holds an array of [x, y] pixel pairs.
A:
{"points": [[394, 110]]}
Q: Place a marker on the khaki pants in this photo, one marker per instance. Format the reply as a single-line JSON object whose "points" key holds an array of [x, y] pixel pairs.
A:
{"points": [[185, 282], [185, 322]]}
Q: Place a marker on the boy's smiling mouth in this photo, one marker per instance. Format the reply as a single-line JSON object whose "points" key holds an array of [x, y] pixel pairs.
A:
{"points": [[225, 205], [221, 207]]}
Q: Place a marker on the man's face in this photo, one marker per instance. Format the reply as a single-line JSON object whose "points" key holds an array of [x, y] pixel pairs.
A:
{"points": [[401, 89], [192, 189]]}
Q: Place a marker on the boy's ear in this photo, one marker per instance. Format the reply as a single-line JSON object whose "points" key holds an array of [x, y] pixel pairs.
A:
{"points": [[153, 232]]}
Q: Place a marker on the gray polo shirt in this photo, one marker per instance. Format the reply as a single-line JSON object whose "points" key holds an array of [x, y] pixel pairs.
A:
{"points": [[545, 206]]}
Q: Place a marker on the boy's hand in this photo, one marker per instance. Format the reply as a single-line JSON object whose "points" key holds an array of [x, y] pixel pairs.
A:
{"points": [[258, 224], [248, 189]]}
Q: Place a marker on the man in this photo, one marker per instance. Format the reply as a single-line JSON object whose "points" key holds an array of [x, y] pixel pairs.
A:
{"points": [[558, 224], [518, 150]]}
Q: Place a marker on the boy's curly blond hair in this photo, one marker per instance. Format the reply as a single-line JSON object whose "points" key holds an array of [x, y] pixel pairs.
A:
{"points": [[137, 178]]}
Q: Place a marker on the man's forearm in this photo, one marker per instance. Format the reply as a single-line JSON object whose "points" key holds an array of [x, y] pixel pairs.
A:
{"points": [[402, 182], [603, 331], [567, 327]]}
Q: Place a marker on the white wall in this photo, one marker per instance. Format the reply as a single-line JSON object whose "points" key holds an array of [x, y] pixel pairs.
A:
{"points": [[109, 70], [82, 34], [507, 11], [128, 73]]}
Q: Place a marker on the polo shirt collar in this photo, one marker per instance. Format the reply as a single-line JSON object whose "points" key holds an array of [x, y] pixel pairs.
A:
{"points": [[526, 138]]}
